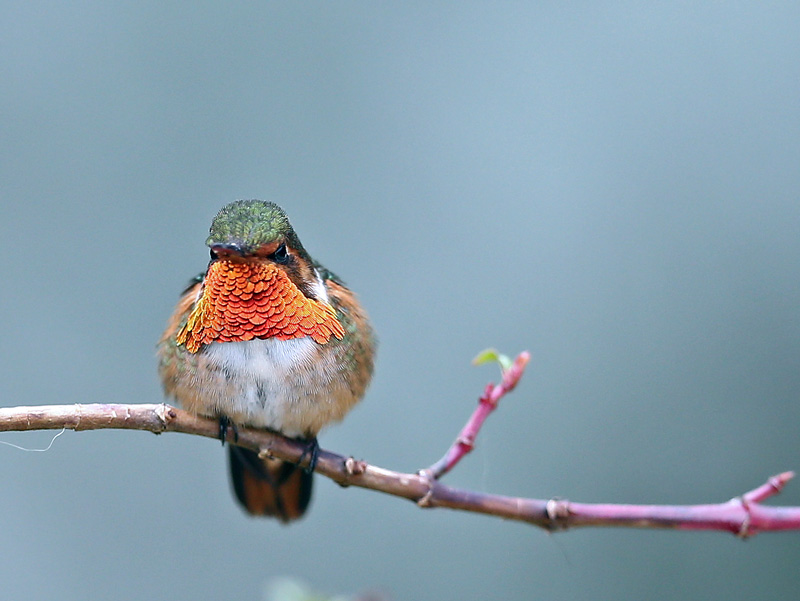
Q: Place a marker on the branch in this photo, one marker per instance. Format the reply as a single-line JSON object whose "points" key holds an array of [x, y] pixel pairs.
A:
{"points": [[744, 515], [465, 441]]}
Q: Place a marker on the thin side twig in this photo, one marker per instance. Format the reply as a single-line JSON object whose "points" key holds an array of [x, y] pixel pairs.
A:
{"points": [[465, 441]]}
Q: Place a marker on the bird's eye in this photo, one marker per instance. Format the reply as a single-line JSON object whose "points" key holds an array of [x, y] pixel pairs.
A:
{"points": [[214, 256], [280, 255]]}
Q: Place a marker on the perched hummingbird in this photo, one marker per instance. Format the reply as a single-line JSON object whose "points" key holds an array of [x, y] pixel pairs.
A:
{"points": [[266, 337]]}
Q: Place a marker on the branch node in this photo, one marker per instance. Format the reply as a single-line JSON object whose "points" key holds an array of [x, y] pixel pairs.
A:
{"points": [[488, 393], [467, 441], [354, 467], [165, 415], [426, 474], [425, 500], [744, 530], [557, 511]]}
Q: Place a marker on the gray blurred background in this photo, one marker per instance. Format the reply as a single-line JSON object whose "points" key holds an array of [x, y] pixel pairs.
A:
{"points": [[613, 187]]}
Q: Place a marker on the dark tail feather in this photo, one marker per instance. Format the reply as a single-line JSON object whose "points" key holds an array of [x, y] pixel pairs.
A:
{"points": [[269, 487]]}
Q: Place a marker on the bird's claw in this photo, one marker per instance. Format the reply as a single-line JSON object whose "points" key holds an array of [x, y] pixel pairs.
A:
{"points": [[224, 424], [311, 450]]}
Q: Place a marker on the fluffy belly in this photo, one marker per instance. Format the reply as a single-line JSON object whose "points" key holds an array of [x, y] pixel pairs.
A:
{"points": [[291, 386]]}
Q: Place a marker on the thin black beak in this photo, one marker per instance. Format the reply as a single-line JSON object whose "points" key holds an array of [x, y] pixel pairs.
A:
{"points": [[227, 249]]}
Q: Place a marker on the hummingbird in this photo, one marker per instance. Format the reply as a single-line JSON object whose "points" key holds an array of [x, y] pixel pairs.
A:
{"points": [[268, 338]]}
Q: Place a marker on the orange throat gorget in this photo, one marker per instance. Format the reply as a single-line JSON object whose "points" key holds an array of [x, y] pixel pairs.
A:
{"points": [[243, 301]]}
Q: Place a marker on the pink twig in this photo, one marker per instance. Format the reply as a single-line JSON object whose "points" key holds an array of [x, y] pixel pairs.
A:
{"points": [[465, 441], [744, 516], [771, 487]]}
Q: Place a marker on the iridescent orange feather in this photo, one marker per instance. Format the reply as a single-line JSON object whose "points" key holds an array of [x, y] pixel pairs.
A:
{"points": [[247, 300]]}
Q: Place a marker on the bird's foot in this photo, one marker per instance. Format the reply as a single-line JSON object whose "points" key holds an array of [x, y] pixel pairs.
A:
{"points": [[312, 451], [224, 424]]}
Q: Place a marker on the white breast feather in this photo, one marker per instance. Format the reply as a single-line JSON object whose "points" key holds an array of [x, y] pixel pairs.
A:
{"points": [[286, 385]]}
